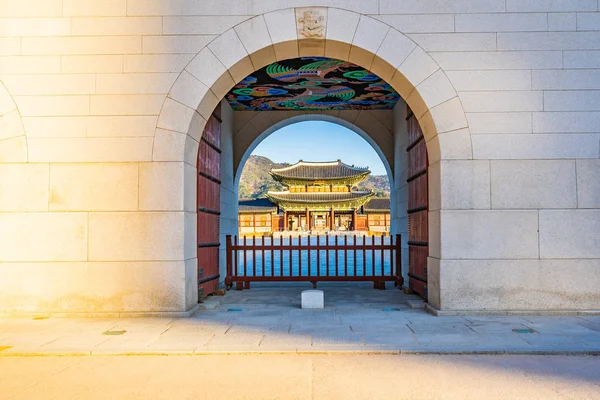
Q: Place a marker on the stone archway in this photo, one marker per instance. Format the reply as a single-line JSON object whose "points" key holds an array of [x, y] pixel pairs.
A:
{"points": [[348, 36]]}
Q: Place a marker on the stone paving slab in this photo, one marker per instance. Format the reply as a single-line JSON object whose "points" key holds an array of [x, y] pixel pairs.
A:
{"points": [[265, 320]]}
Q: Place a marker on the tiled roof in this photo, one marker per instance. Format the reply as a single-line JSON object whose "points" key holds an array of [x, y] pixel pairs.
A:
{"points": [[319, 171], [378, 204], [256, 205], [317, 197]]}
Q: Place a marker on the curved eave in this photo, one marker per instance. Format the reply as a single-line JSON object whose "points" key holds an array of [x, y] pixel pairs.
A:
{"points": [[342, 180], [342, 203]]}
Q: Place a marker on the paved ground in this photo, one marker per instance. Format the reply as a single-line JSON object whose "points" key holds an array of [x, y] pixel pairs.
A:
{"points": [[283, 377], [356, 319]]}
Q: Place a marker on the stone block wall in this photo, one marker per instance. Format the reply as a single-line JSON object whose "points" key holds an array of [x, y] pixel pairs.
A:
{"points": [[97, 197]]}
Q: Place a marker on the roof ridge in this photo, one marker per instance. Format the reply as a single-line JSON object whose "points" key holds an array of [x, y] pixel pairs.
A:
{"points": [[320, 163]]}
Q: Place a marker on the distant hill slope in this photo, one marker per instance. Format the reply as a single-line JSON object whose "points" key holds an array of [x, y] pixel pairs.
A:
{"points": [[256, 181]]}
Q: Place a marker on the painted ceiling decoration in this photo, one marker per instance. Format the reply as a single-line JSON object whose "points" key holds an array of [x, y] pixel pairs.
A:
{"points": [[312, 83]]}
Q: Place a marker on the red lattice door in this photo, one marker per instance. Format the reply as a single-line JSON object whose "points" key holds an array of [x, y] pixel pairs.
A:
{"points": [[418, 249], [209, 209]]}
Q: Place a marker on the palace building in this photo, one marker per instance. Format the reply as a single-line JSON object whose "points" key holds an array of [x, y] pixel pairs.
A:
{"points": [[319, 197]]}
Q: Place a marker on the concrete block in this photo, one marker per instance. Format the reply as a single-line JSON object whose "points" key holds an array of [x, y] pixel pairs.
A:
{"points": [[50, 8], [535, 146], [502, 101], [254, 34], [448, 116], [24, 187], [281, 25], [207, 68], [566, 79], [10, 46], [440, 6], [138, 83], [572, 100], [419, 23], [29, 65], [93, 187], [392, 52], [433, 91], [566, 122], [90, 149], [548, 41], [228, 48], [106, 26], [188, 90], [369, 35], [413, 70], [569, 234], [492, 60], [82, 45], [90, 286], [126, 104], [582, 59], [72, 8], [107, 64], [341, 25], [11, 125], [507, 122], [185, 7], [506, 284], [550, 6], [455, 41], [121, 126], [465, 184], [501, 22], [175, 116], [464, 81], [161, 186], [454, 145], [175, 44], [312, 299], [21, 27], [116, 236], [588, 183], [61, 84], [199, 25], [13, 150], [562, 21], [43, 236], [489, 234], [169, 145], [51, 106], [533, 184], [155, 62], [357, 6]]}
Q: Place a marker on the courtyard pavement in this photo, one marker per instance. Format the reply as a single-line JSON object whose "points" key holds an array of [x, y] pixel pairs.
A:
{"points": [[356, 319]]}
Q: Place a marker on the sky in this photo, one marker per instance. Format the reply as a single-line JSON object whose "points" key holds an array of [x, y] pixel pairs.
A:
{"points": [[319, 141]]}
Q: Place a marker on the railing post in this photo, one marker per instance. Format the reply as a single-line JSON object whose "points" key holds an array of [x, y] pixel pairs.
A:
{"points": [[228, 251], [399, 260]]}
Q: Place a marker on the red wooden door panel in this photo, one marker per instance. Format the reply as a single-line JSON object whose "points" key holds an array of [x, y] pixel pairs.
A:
{"points": [[209, 184], [418, 234]]}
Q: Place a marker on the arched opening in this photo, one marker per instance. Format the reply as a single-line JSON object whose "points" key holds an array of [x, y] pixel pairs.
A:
{"points": [[368, 43], [315, 142]]}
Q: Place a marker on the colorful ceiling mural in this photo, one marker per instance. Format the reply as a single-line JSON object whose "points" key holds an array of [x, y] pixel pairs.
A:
{"points": [[312, 83]]}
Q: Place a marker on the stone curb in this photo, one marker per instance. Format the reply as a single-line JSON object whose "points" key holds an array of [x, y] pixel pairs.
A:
{"points": [[301, 352]]}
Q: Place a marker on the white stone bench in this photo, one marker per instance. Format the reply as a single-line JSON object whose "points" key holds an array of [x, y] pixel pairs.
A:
{"points": [[313, 299]]}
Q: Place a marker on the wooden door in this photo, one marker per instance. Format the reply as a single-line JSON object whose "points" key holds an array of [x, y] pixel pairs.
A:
{"points": [[418, 237], [209, 167]]}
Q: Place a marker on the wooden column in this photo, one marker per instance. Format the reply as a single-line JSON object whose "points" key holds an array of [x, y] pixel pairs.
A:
{"points": [[308, 219], [331, 218], [254, 222], [354, 219], [285, 220]]}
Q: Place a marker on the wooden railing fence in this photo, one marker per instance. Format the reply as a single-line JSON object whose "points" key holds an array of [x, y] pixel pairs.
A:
{"points": [[314, 259]]}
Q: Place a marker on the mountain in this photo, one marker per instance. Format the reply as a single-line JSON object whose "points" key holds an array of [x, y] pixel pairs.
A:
{"points": [[256, 181]]}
